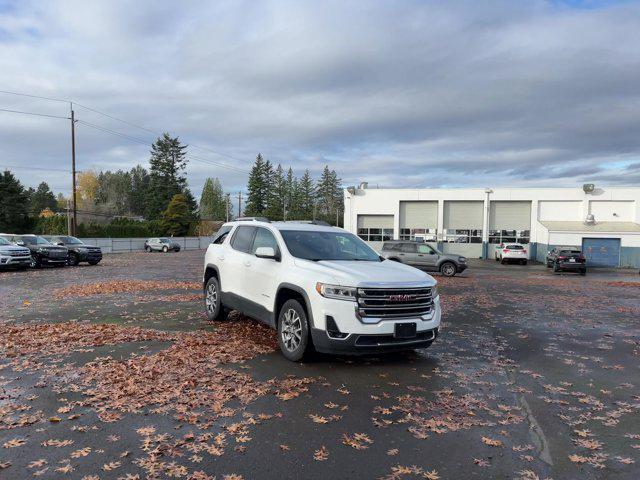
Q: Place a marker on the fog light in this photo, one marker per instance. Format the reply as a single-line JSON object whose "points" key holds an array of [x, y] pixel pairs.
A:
{"points": [[332, 329]]}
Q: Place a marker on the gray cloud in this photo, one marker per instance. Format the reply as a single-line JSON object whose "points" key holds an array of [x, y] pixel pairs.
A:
{"points": [[400, 94]]}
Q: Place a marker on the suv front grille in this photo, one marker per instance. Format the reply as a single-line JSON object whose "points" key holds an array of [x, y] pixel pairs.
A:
{"points": [[394, 302], [19, 253]]}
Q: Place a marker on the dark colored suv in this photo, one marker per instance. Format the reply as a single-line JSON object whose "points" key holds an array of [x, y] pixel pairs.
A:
{"points": [[424, 256], [567, 259], [78, 250], [42, 251]]}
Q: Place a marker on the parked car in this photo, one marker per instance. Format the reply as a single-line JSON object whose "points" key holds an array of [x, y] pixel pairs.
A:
{"points": [[320, 287], [13, 256], [567, 259], [423, 256], [78, 250], [161, 244], [512, 252], [42, 251]]}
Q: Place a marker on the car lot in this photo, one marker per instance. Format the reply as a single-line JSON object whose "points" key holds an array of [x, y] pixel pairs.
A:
{"points": [[113, 370]]}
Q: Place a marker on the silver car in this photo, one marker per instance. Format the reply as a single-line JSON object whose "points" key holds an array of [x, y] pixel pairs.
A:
{"points": [[424, 256], [161, 244]]}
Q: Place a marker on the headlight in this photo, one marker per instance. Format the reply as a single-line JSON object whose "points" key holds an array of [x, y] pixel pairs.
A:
{"points": [[434, 292], [462, 259], [336, 291], [42, 250]]}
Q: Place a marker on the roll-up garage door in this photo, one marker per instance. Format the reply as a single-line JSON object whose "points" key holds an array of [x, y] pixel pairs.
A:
{"points": [[419, 215], [463, 215], [601, 252], [510, 216], [375, 221]]}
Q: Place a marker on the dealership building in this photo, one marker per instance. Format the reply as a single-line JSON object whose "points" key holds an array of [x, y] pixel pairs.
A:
{"points": [[603, 221]]}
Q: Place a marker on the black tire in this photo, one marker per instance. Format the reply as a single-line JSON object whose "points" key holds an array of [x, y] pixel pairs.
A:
{"points": [[556, 269], [35, 262], [165, 249], [448, 269], [292, 326], [502, 261], [147, 249], [497, 260], [73, 259], [523, 262], [94, 262], [177, 249], [548, 264], [212, 301], [583, 272]]}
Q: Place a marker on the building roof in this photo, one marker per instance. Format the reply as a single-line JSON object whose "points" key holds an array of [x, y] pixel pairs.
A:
{"points": [[608, 227]]}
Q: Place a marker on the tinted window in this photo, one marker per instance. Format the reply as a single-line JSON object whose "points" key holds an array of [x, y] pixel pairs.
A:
{"points": [[243, 239], [221, 235], [514, 247], [409, 248], [264, 238], [571, 252], [392, 246], [4, 242], [426, 249]]}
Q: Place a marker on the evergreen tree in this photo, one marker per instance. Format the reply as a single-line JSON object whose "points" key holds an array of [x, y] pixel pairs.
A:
{"points": [[177, 218], [13, 204], [257, 188], [113, 194], [42, 198], [276, 196], [305, 197], [329, 196], [139, 189], [213, 204], [291, 196], [167, 178]]}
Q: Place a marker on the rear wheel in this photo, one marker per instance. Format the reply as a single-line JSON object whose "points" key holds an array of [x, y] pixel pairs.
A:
{"points": [[293, 331], [212, 301], [556, 269], [523, 262], [448, 269], [503, 260], [583, 272], [165, 249], [147, 249]]}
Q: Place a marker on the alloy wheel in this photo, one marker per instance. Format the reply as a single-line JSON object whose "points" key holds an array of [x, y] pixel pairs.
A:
{"points": [[291, 330], [211, 300], [448, 270]]}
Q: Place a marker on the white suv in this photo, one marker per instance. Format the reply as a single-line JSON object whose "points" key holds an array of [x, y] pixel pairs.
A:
{"points": [[320, 287]]}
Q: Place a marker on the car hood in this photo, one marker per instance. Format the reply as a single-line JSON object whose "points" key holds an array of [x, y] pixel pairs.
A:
{"points": [[8, 249], [356, 273]]}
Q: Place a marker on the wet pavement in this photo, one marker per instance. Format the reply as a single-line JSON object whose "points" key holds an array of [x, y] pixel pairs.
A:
{"points": [[113, 372]]}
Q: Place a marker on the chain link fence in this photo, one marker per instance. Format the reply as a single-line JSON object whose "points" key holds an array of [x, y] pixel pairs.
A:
{"points": [[125, 245]]}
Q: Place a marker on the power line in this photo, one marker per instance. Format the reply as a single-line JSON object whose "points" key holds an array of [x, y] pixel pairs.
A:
{"points": [[34, 96], [33, 113], [35, 168]]}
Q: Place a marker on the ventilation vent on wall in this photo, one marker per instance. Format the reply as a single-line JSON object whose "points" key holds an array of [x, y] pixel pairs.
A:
{"points": [[590, 220]]}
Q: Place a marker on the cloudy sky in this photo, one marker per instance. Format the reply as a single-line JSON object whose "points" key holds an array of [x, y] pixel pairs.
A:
{"points": [[399, 93]]}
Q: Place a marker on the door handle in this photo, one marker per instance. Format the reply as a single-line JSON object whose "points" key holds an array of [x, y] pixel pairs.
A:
{"points": [[401, 254], [247, 263], [220, 257], [421, 255]]}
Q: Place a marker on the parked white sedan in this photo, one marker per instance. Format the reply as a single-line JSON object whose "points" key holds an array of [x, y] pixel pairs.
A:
{"points": [[512, 252]]}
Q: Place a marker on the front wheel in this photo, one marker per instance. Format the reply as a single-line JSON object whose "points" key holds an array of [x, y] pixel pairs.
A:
{"points": [[293, 331], [165, 249], [212, 301], [448, 269], [73, 259], [147, 249], [35, 262]]}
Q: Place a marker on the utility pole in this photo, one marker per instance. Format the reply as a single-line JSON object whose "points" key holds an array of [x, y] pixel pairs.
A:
{"points": [[74, 222], [228, 202], [284, 210], [239, 204], [69, 229]]}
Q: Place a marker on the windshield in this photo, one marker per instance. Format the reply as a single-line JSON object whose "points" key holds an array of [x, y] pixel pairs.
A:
{"points": [[70, 240], [4, 242], [33, 240], [319, 246], [165, 240]]}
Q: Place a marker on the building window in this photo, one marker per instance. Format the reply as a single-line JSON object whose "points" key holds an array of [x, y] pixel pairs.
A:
{"points": [[509, 236], [375, 234], [425, 234], [462, 236]]}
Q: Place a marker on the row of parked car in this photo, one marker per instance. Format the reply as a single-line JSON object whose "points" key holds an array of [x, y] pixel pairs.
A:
{"points": [[34, 251], [560, 259]]}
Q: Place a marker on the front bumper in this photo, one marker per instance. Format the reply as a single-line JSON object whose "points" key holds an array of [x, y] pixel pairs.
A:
{"points": [[571, 266], [88, 256], [462, 267], [363, 338], [10, 261]]}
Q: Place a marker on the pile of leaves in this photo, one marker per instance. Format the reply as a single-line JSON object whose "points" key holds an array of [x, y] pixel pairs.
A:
{"points": [[121, 286]]}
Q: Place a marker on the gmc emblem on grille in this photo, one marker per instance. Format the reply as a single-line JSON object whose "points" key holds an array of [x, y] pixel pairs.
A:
{"points": [[401, 298]]}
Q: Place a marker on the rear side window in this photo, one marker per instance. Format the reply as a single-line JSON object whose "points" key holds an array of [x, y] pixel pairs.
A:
{"points": [[243, 239], [221, 234], [409, 248], [394, 247]]}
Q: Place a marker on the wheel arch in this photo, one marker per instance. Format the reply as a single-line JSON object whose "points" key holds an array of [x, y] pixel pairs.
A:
{"points": [[210, 271], [288, 291]]}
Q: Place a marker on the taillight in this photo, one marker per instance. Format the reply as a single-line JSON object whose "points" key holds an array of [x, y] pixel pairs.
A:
{"points": [[506, 250], [524, 251], [562, 258]]}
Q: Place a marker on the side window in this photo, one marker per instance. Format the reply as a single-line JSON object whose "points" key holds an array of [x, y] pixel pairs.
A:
{"points": [[426, 249], [221, 235], [243, 239], [264, 238], [409, 248]]}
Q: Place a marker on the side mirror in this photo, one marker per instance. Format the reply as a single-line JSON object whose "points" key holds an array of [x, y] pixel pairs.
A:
{"points": [[60, 244], [266, 252], [20, 242]]}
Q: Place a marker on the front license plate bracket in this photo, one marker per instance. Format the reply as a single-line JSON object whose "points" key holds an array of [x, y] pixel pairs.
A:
{"points": [[405, 330]]}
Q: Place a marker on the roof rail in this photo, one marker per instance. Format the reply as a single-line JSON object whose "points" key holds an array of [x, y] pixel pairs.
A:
{"points": [[310, 222], [252, 219]]}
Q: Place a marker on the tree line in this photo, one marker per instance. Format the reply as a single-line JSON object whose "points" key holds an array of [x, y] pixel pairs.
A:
{"points": [[158, 201]]}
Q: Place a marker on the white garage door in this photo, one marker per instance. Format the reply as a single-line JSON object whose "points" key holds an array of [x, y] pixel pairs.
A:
{"points": [[418, 220], [375, 229], [463, 227], [508, 222]]}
